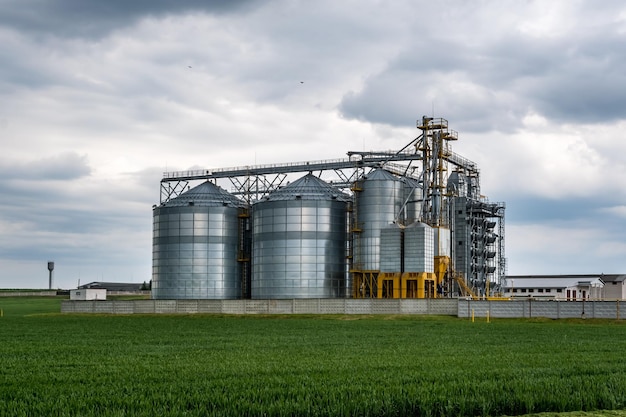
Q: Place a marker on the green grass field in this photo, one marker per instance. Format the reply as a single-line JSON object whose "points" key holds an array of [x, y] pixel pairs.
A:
{"points": [[202, 365]]}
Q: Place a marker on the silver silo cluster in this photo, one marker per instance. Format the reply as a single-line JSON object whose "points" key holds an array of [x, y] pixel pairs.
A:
{"points": [[195, 245], [394, 224], [299, 242]]}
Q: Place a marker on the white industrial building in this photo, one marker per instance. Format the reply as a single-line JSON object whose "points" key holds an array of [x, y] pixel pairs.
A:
{"points": [[557, 287], [614, 287], [84, 294]]}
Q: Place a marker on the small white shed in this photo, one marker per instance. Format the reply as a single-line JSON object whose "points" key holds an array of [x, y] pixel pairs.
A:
{"points": [[88, 294]]}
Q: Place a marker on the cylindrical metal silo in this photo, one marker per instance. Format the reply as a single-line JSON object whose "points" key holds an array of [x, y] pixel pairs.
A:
{"points": [[412, 200], [378, 204], [195, 245], [299, 242]]}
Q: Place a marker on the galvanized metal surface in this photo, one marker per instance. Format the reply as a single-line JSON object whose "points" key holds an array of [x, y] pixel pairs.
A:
{"points": [[391, 255], [377, 206], [458, 184], [419, 248], [195, 241], [412, 200], [299, 242]]}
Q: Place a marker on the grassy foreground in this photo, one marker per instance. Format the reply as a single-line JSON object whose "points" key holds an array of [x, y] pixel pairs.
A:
{"points": [[89, 365]]}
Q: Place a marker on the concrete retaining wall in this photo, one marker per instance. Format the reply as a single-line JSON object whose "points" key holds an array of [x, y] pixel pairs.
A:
{"points": [[544, 308], [445, 307], [448, 307]]}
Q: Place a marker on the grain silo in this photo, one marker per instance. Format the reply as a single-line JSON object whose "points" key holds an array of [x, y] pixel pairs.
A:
{"points": [[379, 201], [195, 245], [299, 242], [412, 200], [299, 247]]}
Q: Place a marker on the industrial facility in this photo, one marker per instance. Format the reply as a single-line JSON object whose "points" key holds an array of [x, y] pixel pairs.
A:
{"points": [[407, 223]]}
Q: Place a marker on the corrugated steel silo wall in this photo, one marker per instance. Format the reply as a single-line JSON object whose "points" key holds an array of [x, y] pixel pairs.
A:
{"points": [[413, 198], [391, 249], [195, 253], [378, 204], [299, 249], [419, 249]]}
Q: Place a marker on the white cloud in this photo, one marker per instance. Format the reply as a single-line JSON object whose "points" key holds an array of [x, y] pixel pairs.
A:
{"points": [[105, 106], [570, 249], [544, 159], [619, 211]]}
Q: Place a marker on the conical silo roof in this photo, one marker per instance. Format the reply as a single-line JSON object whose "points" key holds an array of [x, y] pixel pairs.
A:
{"points": [[411, 182], [308, 187], [380, 175], [206, 194]]}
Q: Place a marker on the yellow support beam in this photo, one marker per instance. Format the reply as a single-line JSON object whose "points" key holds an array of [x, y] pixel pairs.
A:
{"points": [[389, 285], [364, 283], [407, 285], [442, 265]]}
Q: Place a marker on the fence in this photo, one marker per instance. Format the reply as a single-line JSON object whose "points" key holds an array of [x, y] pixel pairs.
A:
{"points": [[529, 308], [447, 307], [51, 293]]}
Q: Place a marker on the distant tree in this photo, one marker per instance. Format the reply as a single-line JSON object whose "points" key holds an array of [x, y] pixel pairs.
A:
{"points": [[146, 286]]}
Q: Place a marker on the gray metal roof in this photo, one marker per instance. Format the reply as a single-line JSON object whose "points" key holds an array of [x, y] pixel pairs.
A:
{"points": [[113, 286], [380, 175], [206, 194], [613, 277], [549, 281], [308, 187], [411, 182], [418, 224]]}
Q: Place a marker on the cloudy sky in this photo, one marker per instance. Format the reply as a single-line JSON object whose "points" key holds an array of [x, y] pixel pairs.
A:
{"points": [[98, 99]]}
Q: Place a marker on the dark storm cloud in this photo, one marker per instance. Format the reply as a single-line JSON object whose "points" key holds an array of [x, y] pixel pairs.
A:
{"points": [[491, 86], [586, 82], [65, 166], [80, 18]]}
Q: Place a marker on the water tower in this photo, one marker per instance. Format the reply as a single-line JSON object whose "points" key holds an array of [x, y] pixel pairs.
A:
{"points": [[50, 269]]}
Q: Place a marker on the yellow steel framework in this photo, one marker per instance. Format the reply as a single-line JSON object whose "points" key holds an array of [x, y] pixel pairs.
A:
{"points": [[407, 285], [364, 284], [436, 152], [442, 266], [465, 290]]}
